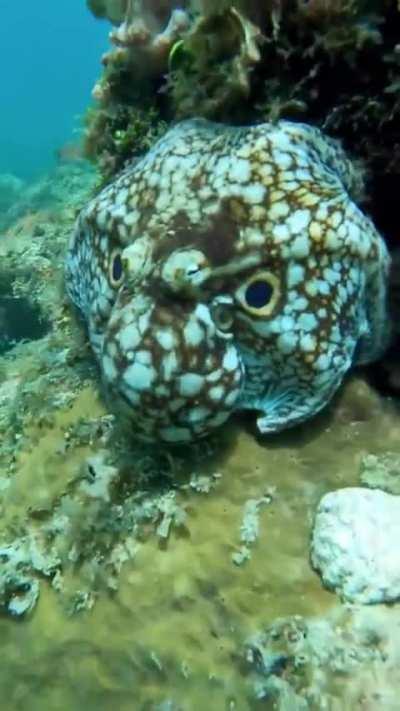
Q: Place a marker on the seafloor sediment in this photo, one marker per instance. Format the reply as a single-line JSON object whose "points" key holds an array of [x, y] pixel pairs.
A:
{"points": [[172, 580]]}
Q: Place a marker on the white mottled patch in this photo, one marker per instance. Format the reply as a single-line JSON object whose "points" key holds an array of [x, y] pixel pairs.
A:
{"points": [[295, 275], [335, 218], [322, 362], [163, 200], [240, 171], [253, 237], [315, 231], [121, 196], [123, 231], [139, 377], [216, 393], [143, 322], [162, 391], [307, 321], [307, 343], [171, 164], [309, 199], [129, 337], [323, 287], [280, 233], [258, 213], [211, 207], [322, 213], [169, 365], [302, 175], [286, 323], [182, 149], [153, 179], [131, 218], [266, 170], [244, 151], [205, 193], [230, 360], [176, 404], [109, 368], [214, 376], [332, 241], [287, 342], [203, 314], [218, 419], [331, 276], [278, 210], [190, 384], [176, 434], [197, 414], [119, 212], [232, 397], [132, 395], [299, 220], [299, 304], [166, 338], [253, 193], [193, 333], [300, 247], [282, 159], [222, 167], [143, 357]]}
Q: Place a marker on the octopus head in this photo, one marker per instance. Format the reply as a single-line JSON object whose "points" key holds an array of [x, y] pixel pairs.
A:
{"points": [[168, 357]]}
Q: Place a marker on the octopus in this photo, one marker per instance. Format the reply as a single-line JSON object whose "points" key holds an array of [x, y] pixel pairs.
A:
{"points": [[229, 269]]}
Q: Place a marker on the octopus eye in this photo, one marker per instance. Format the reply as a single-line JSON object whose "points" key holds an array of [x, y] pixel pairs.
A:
{"points": [[260, 294], [116, 268], [222, 314]]}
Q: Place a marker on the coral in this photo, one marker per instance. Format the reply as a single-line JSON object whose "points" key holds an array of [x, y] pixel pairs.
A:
{"points": [[218, 55], [215, 51], [117, 135]]}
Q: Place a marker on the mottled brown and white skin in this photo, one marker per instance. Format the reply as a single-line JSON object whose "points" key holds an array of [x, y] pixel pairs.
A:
{"points": [[229, 269]]}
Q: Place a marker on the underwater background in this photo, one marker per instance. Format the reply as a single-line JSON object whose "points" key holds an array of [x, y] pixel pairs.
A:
{"points": [[49, 54], [153, 578]]}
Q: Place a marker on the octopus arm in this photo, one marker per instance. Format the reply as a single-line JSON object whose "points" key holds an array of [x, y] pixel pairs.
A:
{"points": [[285, 405], [378, 334]]}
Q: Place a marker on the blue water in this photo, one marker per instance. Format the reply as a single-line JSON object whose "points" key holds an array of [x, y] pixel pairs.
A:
{"points": [[49, 59]]}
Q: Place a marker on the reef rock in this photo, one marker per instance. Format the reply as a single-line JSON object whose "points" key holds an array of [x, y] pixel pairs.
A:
{"points": [[355, 544]]}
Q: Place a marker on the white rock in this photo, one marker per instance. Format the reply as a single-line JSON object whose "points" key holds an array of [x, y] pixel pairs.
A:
{"points": [[355, 544]]}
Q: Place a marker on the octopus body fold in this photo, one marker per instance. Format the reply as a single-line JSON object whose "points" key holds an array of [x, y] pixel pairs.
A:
{"points": [[229, 269]]}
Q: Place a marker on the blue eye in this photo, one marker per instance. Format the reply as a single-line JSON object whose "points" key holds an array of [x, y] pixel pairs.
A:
{"points": [[116, 268], [258, 294]]}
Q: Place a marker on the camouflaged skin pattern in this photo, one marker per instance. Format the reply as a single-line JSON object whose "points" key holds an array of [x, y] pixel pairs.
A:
{"points": [[229, 269]]}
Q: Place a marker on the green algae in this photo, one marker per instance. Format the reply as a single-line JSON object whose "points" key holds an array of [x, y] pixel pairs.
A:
{"points": [[177, 625]]}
